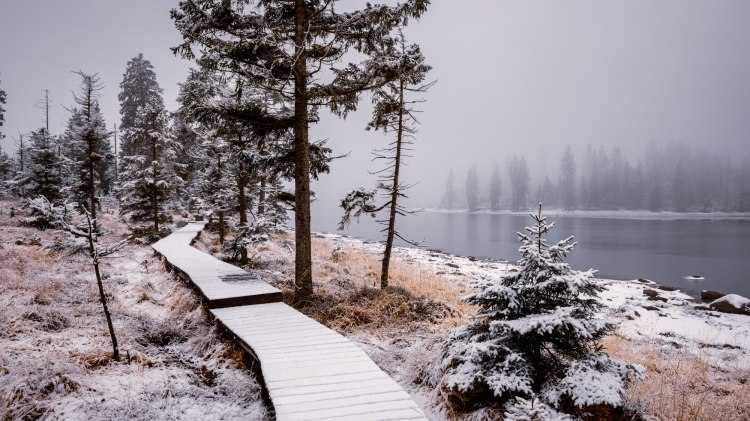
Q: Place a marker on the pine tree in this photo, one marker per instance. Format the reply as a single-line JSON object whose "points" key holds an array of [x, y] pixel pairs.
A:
{"points": [[139, 89], [393, 113], [449, 197], [3, 100], [280, 47], [218, 190], [147, 177], [43, 177], [743, 186], [89, 150], [536, 334], [472, 189], [6, 166], [567, 183], [519, 183], [495, 188]]}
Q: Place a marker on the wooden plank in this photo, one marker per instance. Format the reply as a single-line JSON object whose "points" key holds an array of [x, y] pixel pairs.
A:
{"points": [[311, 372], [222, 285]]}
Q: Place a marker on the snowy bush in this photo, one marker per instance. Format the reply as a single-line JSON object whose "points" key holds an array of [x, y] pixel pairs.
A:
{"points": [[532, 409], [258, 231], [44, 215], [536, 335]]}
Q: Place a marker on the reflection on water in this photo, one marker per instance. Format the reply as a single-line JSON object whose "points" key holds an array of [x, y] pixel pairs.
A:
{"points": [[662, 250]]}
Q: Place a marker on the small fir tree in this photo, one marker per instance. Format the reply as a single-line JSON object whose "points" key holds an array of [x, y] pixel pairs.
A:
{"points": [[43, 175], [472, 189], [536, 335]]}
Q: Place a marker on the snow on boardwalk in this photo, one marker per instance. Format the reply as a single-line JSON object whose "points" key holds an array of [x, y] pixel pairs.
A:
{"points": [[221, 284], [310, 371]]}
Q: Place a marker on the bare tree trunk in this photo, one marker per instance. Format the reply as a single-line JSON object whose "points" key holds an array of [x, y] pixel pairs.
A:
{"points": [[394, 192], [262, 196], [303, 255], [222, 234], [155, 189], [102, 297], [221, 213], [241, 181]]}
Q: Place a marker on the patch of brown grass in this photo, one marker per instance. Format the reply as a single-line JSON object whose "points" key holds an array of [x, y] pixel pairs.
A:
{"points": [[683, 384], [347, 294]]}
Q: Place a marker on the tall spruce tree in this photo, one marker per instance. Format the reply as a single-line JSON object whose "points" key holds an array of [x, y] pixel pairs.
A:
{"points": [[147, 177], [519, 183], [139, 89], [449, 197], [567, 181], [495, 188], [536, 334], [472, 189], [394, 113], [3, 99], [90, 153], [281, 47]]}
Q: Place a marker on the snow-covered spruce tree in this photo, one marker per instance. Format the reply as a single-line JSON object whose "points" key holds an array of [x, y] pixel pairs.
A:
{"points": [[3, 99], [147, 180], [449, 197], [394, 113], [6, 168], [567, 180], [89, 151], [281, 47], [138, 89], [536, 336], [43, 177], [472, 189], [218, 190], [519, 183], [495, 188]]}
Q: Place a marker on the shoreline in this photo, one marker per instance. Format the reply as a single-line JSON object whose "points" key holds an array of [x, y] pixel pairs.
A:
{"points": [[645, 215], [376, 247]]}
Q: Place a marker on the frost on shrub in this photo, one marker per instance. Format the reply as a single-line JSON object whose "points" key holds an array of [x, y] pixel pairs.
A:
{"points": [[258, 231], [536, 335], [44, 215], [533, 409]]}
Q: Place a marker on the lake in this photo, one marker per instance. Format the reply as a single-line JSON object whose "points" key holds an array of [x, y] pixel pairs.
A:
{"points": [[663, 250]]}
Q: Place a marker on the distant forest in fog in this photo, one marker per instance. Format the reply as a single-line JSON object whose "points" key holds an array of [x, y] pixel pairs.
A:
{"points": [[674, 177]]}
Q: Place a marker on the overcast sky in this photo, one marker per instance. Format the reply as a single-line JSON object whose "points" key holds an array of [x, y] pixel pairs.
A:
{"points": [[522, 77]]}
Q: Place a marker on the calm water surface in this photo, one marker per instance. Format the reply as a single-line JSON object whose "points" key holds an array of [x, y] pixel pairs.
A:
{"points": [[661, 250]]}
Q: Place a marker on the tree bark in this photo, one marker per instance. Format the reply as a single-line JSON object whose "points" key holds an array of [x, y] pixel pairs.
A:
{"points": [[262, 196], [303, 254], [155, 188], [394, 192], [241, 181], [102, 297]]}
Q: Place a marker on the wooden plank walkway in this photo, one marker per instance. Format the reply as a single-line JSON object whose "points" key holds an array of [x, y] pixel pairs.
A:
{"points": [[220, 284], [310, 371]]}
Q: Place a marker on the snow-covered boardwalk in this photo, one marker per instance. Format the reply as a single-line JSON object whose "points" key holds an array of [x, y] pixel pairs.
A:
{"points": [[220, 284], [310, 371]]}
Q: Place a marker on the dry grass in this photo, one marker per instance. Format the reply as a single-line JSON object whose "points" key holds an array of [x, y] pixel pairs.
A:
{"points": [[348, 297], [55, 351], [684, 384]]}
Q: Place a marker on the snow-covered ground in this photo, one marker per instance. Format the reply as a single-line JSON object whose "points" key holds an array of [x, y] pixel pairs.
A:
{"points": [[666, 333], [55, 351]]}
